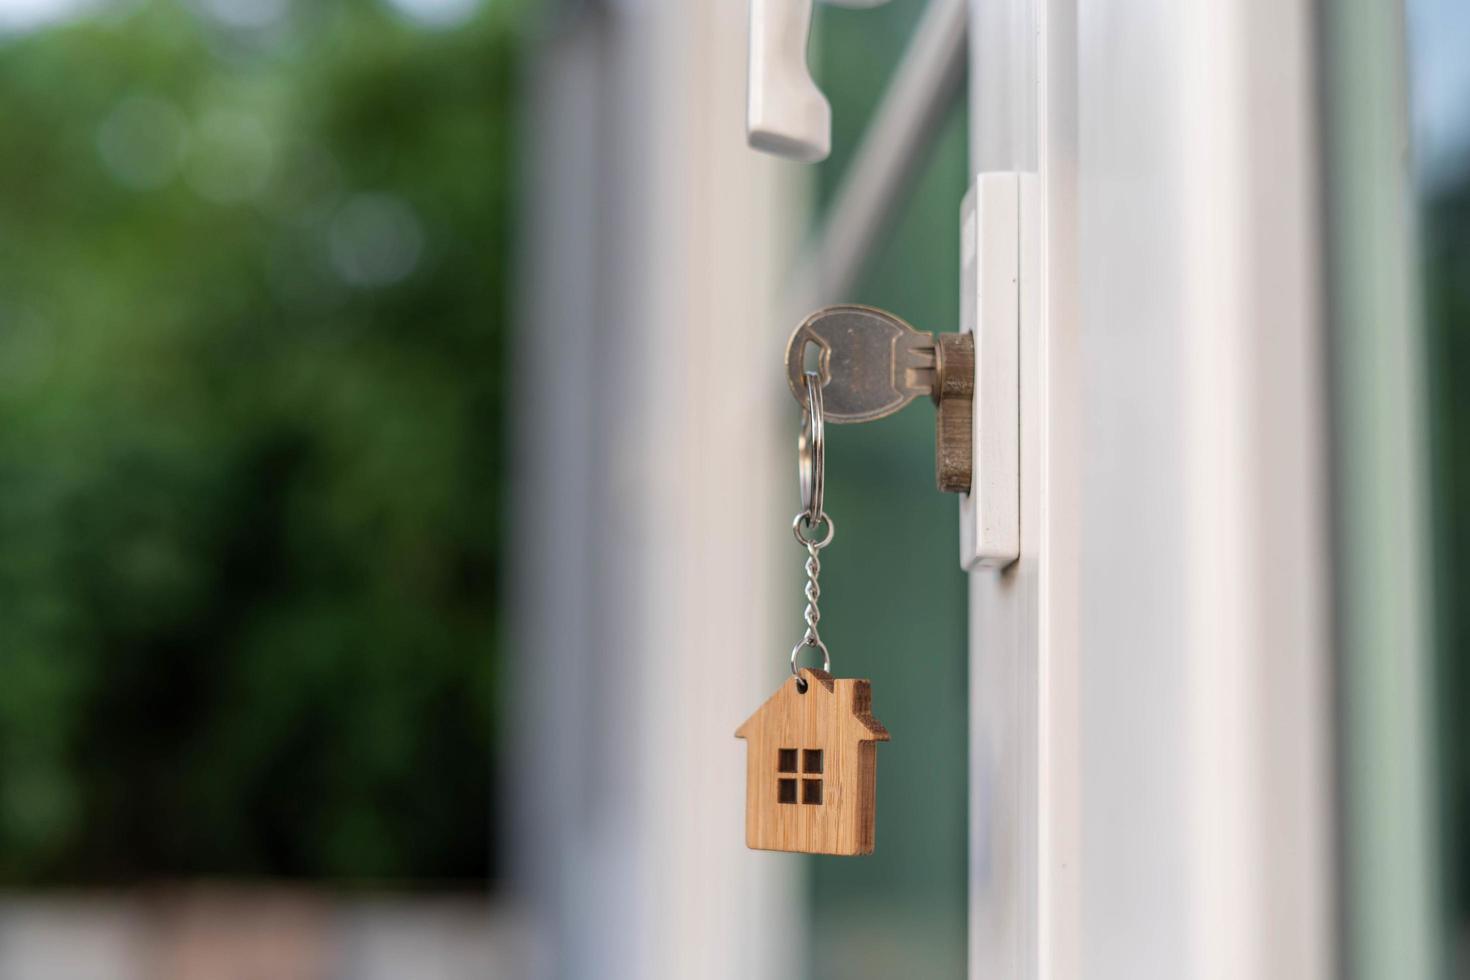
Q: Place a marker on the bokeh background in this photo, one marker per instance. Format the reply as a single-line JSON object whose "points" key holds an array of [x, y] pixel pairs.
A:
{"points": [[255, 264], [250, 503], [1439, 36], [258, 270]]}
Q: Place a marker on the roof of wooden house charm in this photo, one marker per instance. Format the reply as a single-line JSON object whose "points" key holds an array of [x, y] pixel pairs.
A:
{"points": [[811, 767]]}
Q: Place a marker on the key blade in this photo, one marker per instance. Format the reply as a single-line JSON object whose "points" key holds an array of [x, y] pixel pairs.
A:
{"points": [[871, 363], [917, 363]]}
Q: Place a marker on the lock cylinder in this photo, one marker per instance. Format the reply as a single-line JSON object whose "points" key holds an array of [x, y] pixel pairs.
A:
{"points": [[954, 422]]}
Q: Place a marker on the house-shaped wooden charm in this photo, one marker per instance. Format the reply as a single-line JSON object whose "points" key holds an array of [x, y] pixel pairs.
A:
{"points": [[812, 767]]}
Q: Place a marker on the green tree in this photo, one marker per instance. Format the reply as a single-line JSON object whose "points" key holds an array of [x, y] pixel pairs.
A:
{"points": [[253, 295]]}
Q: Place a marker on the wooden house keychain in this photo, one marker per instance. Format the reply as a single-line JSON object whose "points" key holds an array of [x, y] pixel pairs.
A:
{"points": [[811, 749]]}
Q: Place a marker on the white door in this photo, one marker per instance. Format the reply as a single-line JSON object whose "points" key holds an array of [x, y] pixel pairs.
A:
{"points": [[1196, 741]]}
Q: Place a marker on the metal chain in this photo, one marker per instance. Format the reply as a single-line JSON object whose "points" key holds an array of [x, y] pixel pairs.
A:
{"points": [[810, 463], [813, 593], [801, 527]]}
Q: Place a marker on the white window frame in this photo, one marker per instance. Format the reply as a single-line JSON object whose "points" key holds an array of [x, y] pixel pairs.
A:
{"points": [[1158, 748]]}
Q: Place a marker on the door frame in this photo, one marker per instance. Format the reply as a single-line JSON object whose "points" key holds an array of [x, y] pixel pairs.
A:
{"points": [[1152, 761]]}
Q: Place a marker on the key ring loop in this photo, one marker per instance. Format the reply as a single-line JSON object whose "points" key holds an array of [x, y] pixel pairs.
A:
{"points": [[811, 453], [813, 642], [814, 543]]}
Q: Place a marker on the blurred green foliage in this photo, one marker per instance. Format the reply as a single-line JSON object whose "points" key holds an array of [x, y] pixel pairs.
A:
{"points": [[253, 305]]}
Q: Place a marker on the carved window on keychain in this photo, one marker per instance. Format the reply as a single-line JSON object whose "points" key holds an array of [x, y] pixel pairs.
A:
{"points": [[811, 764]]}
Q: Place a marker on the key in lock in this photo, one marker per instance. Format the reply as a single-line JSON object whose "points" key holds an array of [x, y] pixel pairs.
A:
{"points": [[870, 364]]}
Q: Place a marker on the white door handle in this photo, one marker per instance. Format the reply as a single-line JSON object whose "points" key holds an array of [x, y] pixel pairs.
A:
{"points": [[786, 113]]}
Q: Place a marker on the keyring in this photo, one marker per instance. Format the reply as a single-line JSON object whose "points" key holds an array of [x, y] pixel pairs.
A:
{"points": [[796, 652], [811, 452], [815, 543]]}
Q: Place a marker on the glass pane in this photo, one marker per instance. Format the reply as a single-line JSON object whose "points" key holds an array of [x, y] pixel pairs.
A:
{"points": [[1439, 37], [893, 597]]}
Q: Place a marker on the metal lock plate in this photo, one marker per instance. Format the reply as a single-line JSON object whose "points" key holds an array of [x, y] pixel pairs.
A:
{"points": [[999, 223]]}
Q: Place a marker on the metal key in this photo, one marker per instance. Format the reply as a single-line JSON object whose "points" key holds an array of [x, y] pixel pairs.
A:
{"points": [[871, 363]]}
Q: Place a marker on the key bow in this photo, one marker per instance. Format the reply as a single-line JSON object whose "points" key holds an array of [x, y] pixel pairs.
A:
{"points": [[870, 362]]}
